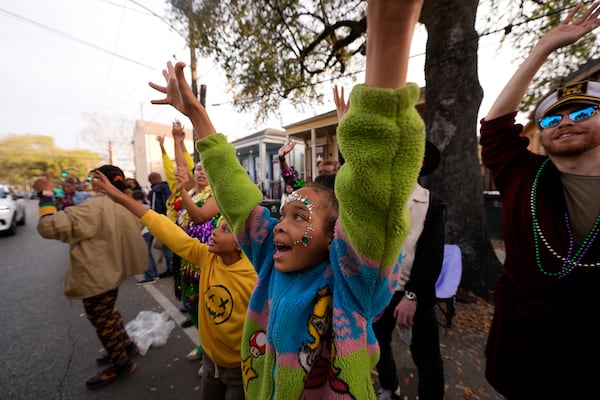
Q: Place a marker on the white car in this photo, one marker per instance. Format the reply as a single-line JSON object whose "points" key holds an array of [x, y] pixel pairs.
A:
{"points": [[12, 210]]}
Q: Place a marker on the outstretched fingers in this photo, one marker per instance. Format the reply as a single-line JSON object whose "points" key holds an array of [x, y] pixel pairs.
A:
{"points": [[169, 89], [591, 14], [588, 21], [339, 98]]}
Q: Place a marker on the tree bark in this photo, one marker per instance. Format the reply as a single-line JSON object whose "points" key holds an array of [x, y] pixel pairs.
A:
{"points": [[453, 99]]}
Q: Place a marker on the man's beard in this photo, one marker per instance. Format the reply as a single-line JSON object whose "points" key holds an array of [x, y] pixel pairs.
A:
{"points": [[571, 150]]}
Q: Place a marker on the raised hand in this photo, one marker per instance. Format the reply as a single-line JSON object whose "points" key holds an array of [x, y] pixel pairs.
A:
{"points": [[286, 148], [177, 131], [179, 94], [176, 94], [572, 29], [341, 106], [567, 32], [45, 183], [185, 180], [101, 184]]}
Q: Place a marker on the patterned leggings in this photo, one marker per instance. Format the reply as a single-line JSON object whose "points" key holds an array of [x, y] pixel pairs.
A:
{"points": [[101, 312]]}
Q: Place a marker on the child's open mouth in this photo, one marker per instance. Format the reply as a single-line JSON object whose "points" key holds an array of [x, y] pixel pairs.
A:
{"points": [[282, 248]]}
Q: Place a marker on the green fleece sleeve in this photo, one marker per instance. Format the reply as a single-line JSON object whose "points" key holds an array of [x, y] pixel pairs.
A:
{"points": [[236, 195], [382, 139]]}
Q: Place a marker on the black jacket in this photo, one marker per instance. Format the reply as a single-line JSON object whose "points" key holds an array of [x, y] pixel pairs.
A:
{"points": [[159, 193]]}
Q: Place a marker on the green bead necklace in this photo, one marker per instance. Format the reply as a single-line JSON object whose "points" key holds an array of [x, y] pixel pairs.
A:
{"points": [[569, 263]]}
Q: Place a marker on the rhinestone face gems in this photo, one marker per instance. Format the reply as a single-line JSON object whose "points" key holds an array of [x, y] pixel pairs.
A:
{"points": [[306, 237]]}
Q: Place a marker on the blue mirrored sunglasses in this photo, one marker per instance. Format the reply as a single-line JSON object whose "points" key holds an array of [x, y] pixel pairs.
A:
{"points": [[581, 114]]}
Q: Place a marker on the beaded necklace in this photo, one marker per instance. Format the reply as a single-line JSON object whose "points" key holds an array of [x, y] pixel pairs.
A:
{"points": [[568, 263]]}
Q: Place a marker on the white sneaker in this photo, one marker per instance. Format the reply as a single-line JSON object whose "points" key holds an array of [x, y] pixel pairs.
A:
{"points": [[201, 370], [194, 355]]}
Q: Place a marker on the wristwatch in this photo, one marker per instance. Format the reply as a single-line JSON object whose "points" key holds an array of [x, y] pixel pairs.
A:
{"points": [[412, 296]]}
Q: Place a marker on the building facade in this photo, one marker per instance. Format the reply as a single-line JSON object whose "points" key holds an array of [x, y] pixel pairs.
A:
{"points": [[258, 154], [146, 149]]}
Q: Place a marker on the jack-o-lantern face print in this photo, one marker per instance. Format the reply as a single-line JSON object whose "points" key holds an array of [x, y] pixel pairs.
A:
{"points": [[218, 303]]}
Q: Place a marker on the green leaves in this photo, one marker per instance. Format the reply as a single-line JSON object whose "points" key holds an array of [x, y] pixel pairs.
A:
{"points": [[25, 157], [276, 50]]}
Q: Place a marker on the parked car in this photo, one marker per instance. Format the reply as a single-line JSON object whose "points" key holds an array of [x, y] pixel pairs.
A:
{"points": [[12, 210]]}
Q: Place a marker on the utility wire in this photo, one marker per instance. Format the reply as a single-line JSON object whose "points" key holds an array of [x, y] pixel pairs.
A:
{"points": [[83, 42]]}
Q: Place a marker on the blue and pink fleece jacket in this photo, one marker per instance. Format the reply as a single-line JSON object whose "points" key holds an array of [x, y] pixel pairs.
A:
{"points": [[308, 334]]}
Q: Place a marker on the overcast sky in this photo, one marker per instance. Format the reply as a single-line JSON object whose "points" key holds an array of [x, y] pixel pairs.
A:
{"points": [[65, 58]]}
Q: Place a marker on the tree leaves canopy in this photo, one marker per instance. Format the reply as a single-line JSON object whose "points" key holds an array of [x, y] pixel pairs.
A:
{"points": [[24, 157], [275, 50], [272, 50]]}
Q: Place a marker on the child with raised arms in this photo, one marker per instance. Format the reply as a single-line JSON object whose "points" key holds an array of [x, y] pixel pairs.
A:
{"points": [[226, 282], [323, 275]]}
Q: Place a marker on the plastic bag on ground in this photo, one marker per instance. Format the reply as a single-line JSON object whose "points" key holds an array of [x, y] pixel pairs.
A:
{"points": [[150, 329]]}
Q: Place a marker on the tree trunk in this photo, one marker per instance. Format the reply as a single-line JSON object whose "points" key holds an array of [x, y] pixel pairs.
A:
{"points": [[452, 102]]}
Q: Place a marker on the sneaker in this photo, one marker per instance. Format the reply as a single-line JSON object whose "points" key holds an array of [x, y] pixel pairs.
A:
{"points": [[147, 281], [386, 394], [201, 370], [194, 355], [187, 323], [110, 374], [104, 359]]}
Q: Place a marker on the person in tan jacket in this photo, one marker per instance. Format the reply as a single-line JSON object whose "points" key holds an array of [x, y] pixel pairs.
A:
{"points": [[106, 247]]}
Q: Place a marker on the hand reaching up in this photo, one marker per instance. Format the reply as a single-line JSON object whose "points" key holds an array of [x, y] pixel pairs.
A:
{"points": [[45, 183], [177, 131], [341, 106], [286, 148], [179, 94], [185, 180], [570, 29]]}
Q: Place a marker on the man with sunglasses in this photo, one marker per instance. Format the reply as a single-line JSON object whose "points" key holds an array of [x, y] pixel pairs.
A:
{"points": [[544, 338]]}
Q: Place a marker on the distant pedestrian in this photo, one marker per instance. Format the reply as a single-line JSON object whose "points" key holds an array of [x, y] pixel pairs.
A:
{"points": [[132, 185], [157, 201], [71, 196]]}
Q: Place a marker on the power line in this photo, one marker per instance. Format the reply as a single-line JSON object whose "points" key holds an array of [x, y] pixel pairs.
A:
{"points": [[159, 17], [83, 42]]}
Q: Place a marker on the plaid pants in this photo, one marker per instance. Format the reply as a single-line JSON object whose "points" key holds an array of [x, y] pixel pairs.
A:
{"points": [[101, 312]]}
